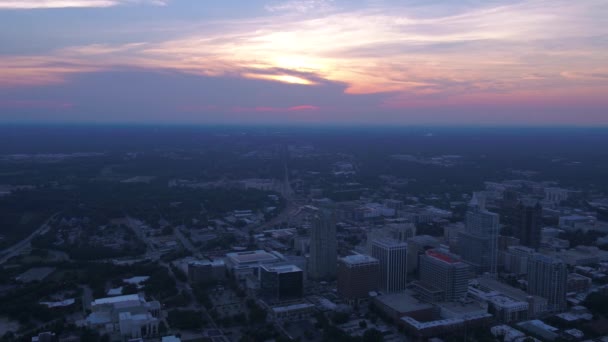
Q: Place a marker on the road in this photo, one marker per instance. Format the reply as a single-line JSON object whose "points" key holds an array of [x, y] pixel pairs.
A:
{"points": [[186, 243], [18, 248], [288, 194]]}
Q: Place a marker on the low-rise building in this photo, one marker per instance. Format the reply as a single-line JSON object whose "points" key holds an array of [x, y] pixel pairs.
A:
{"points": [[292, 312], [578, 283], [454, 318], [130, 316], [507, 333], [204, 271], [242, 264], [540, 328], [491, 287], [281, 282], [357, 277], [397, 305]]}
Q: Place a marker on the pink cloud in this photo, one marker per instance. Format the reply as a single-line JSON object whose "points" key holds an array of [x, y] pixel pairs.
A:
{"points": [[302, 108]]}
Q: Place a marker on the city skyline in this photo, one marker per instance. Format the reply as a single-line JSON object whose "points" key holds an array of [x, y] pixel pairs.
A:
{"points": [[304, 61]]}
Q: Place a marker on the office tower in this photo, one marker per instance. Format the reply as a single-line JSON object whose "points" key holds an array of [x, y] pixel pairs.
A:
{"points": [[323, 249], [446, 273], [357, 276], [478, 243], [281, 282], [548, 278], [529, 224], [516, 259], [392, 257], [399, 231]]}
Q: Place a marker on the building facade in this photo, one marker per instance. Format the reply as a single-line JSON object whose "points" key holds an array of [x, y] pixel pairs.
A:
{"points": [[357, 276], [323, 248], [281, 282], [392, 259], [129, 316], [206, 271], [478, 243], [529, 224], [548, 278], [445, 273]]}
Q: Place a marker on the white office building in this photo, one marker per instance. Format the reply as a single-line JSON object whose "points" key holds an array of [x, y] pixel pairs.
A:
{"points": [[129, 316], [392, 259]]}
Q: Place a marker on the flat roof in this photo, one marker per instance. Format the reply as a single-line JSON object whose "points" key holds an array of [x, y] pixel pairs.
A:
{"points": [[441, 256], [117, 299], [252, 257], [282, 268], [292, 307], [403, 302], [216, 262], [359, 259], [389, 243]]}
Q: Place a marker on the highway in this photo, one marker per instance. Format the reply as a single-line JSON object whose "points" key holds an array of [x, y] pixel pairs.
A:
{"points": [[18, 248]]}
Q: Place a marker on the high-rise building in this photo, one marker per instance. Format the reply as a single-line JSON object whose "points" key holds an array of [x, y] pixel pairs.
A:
{"points": [[478, 243], [399, 230], [357, 276], [416, 246], [281, 282], [323, 248], [548, 278], [446, 273], [392, 258], [516, 259], [529, 224]]}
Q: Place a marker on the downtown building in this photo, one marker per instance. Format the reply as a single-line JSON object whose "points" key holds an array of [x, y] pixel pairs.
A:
{"points": [[125, 317], [392, 259], [478, 243], [357, 277], [281, 282], [528, 224], [548, 278], [323, 247], [444, 275]]}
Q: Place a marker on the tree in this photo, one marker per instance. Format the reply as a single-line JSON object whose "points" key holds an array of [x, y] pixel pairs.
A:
{"points": [[185, 319], [372, 335], [340, 318]]}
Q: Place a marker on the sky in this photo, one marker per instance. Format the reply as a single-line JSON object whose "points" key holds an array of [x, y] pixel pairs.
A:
{"points": [[370, 62]]}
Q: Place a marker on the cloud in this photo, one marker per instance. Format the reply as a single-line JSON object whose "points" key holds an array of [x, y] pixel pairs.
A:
{"points": [[49, 4], [301, 6], [169, 96], [404, 56]]}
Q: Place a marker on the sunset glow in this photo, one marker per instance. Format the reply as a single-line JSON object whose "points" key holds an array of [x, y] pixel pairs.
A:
{"points": [[370, 58]]}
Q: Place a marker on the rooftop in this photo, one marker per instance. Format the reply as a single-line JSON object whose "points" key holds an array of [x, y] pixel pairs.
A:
{"points": [[359, 259], [214, 263], [282, 268], [116, 300], [247, 257], [389, 243], [403, 302], [291, 307], [441, 256]]}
